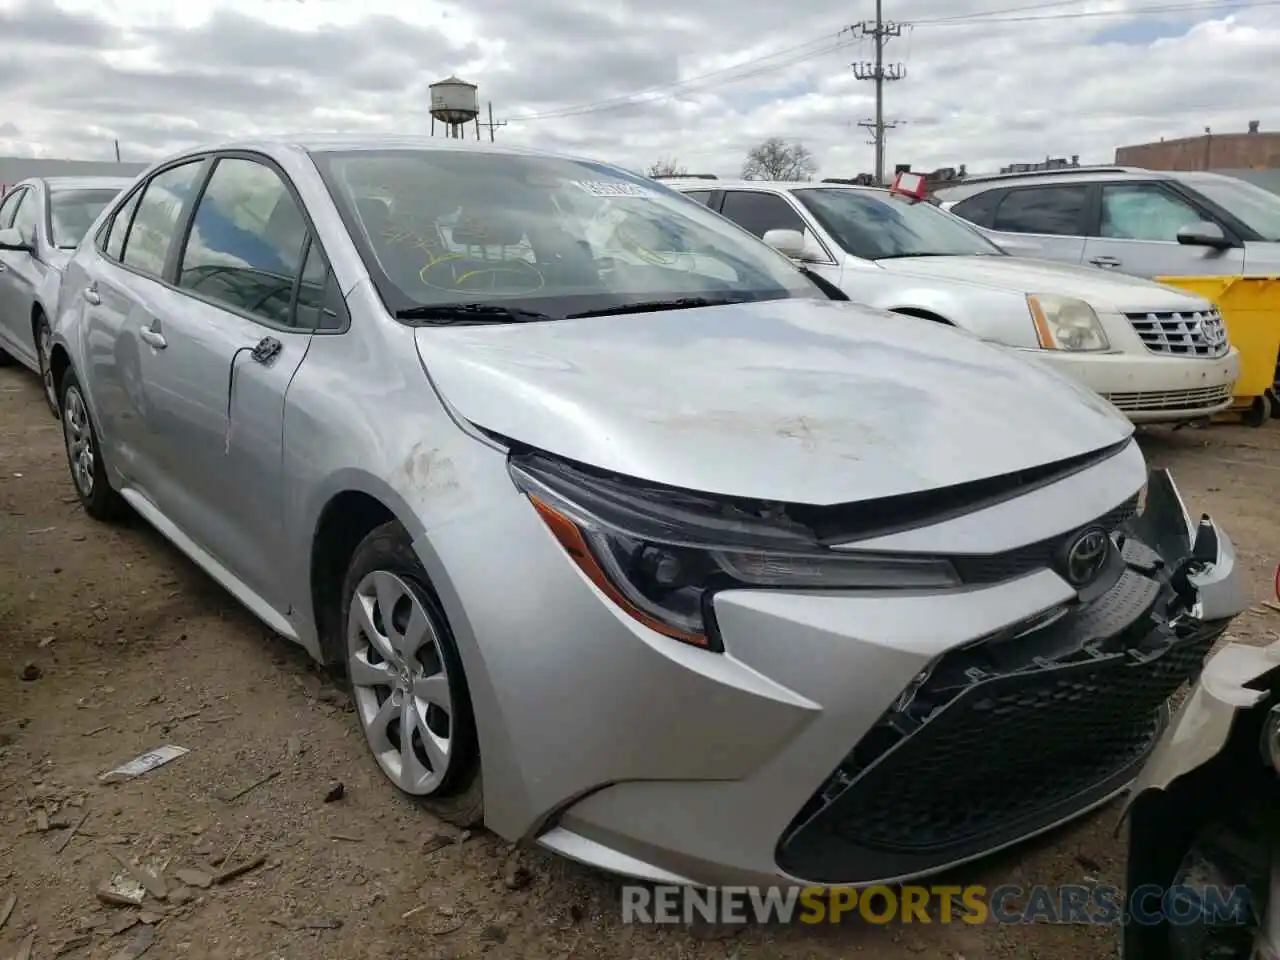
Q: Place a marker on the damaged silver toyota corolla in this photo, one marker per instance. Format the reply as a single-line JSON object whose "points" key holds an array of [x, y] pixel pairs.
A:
{"points": [[634, 540]]}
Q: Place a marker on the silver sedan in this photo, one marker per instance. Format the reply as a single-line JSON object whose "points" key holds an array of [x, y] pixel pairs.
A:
{"points": [[41, 221], [636, 540]]}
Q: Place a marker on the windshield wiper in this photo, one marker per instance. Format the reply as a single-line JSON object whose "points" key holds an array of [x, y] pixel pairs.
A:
{"points": [[464, 313], [653, 306]]}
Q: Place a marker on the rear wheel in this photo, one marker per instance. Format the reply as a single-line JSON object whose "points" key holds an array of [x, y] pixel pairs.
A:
{"points": [[407, 680], [84, 455]]}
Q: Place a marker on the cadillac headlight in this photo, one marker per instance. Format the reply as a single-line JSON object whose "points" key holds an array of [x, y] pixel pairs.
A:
{"points": [[1065, 323], [660, 554]]}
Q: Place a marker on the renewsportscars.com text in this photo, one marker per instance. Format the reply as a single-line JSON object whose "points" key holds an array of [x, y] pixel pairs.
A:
{"points": [[1068, 904]]}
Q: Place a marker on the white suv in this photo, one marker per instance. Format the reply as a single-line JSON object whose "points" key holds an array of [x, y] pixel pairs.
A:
{"points": [[1158, 354]]}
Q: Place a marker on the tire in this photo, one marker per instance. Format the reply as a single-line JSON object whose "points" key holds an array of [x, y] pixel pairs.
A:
{"points": [[383, 662], [42, 337], [88, 475], [5, 359], [1259, 413], [1224, 856]]}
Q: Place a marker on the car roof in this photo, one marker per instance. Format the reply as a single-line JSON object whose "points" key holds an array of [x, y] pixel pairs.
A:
{"points": [[87, 183], [330, 143], [976, 184], [768, 186]]}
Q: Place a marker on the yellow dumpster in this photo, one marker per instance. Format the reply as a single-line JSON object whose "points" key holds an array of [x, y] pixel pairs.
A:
{"points": [[1250, 308]]}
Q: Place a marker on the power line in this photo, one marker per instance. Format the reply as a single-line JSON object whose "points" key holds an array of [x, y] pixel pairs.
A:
{"points": [[726, 75], [629, 99], [879, 30], [1218, 7]]}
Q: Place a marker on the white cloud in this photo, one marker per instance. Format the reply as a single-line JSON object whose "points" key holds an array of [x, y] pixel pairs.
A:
{"points": [[1044, 78]]}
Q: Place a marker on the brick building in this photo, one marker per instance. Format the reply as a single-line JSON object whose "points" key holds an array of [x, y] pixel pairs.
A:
{"points": [[1253, 150]]}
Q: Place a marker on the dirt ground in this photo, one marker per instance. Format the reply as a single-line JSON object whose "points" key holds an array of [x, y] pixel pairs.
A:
{"points": [[112, 644]]}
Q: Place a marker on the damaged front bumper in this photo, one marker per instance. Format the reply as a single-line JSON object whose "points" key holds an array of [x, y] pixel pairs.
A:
{"points": [[1014, 733]]}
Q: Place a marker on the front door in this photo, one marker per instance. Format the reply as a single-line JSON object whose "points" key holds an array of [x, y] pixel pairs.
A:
{"points": [[21, 274], [1138, 234], [228, 341]]}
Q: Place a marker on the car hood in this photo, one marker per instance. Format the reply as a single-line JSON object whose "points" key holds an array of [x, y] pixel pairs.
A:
{"points": [[1114, 292], [803, 401]]}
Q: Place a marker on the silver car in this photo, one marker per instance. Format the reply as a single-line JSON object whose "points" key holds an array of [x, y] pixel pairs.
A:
{"points": [[636, 541], [41, 221], [1149, 223]]}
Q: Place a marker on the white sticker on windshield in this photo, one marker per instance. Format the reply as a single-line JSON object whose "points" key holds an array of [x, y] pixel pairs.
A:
{"points": [[611, 188]]}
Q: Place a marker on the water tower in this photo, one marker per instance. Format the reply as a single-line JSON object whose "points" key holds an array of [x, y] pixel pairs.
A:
{"points": [[454, 103]]}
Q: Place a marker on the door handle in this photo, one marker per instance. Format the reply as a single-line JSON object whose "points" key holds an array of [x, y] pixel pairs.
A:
{"points": [[90, 294], [153, 337], [1105, 262]]}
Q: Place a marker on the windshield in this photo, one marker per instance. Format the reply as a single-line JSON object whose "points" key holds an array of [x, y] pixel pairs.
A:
{"points": [[72, 212], [1256, 208], [446, 227], [879, 225]]}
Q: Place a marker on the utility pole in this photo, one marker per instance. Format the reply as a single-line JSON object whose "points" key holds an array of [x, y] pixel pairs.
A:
{"points": [[879, 30], [491, 125]]}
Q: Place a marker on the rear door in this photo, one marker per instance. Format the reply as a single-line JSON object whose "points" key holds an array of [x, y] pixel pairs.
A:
{"points": [[1046, 221], [120, 291], [246, 291], [1137, 233]]}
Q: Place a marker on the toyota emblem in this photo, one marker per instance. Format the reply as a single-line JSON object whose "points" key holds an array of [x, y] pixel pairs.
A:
{"points": [[1085, 556]]}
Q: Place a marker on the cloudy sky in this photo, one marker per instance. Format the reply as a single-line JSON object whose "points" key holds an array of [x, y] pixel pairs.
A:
{"points": [[987, 81]]}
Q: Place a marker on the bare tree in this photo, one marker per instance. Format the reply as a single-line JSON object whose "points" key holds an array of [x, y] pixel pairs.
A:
{"points": [[775, 159], [668, 167]]}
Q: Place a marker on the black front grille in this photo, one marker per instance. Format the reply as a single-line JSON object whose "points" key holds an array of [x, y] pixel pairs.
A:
{"points": [[1003, 738], [998, 567]]}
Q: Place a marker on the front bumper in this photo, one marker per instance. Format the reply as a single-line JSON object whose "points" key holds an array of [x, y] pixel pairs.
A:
{"points": [[1148, 388], [938, 729]]}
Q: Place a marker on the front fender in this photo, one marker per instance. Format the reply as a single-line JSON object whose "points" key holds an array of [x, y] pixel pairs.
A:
{"points": [[1236, 678]]}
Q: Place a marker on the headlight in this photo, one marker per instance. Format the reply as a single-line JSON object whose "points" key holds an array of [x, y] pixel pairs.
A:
{"points": [[660, 554], [1064, 323]]}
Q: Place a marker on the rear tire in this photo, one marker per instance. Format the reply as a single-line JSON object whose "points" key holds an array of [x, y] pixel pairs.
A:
{"points": [[405, 674], [84, 455], [5, 359]]}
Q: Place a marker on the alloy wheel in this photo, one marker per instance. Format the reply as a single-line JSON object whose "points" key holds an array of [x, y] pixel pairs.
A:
{"points": [[43, 345], [400, 683], [79, 439]]}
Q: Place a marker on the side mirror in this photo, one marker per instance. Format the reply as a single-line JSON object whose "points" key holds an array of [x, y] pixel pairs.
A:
{"points": [[10, 239], [1204, 235], [793, 244], [789, 243]]}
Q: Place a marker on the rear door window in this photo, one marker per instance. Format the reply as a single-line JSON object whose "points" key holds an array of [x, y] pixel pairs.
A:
{"points": [[980, 208], [118, 228], [760, 212], [1057, 211], [158, 218]]}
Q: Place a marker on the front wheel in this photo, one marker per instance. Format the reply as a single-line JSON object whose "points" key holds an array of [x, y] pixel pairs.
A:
{"points": [[44, 346], [1220, 893], [84, 455], [407, 681]]}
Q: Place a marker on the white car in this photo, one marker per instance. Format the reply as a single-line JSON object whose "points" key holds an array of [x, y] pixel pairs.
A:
{"points": [[1158, 354]]}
